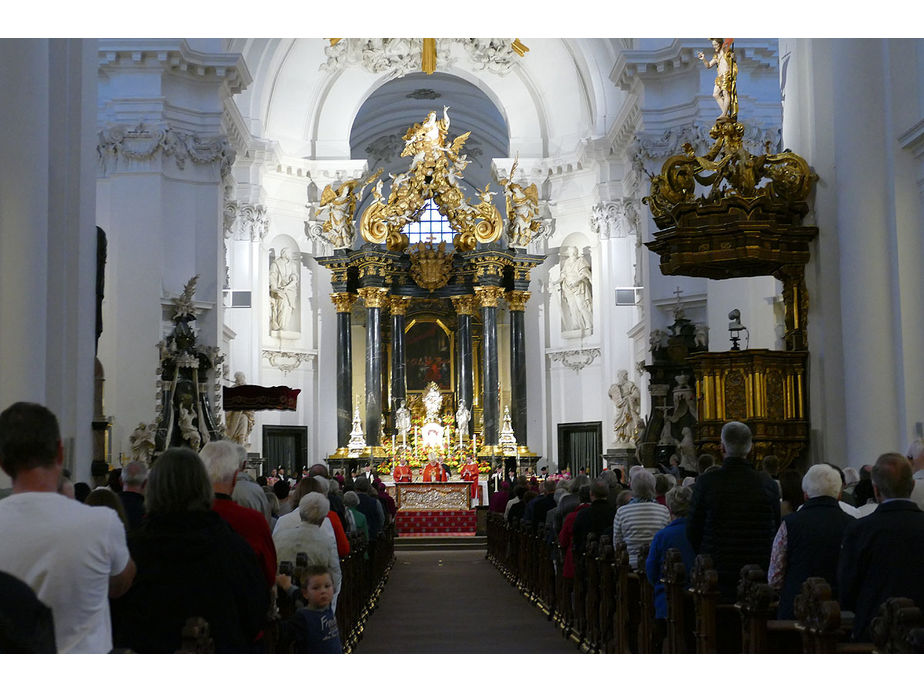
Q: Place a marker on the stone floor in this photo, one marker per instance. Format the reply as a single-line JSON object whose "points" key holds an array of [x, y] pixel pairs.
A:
{"points": [[456, 602]]}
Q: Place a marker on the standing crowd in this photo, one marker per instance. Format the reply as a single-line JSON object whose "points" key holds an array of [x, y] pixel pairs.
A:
{"points": [[194, 537], [860, 530]]}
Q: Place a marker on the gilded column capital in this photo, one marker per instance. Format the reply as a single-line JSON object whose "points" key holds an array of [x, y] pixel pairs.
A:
{"points": [[399, 304], [343, 301], [374, 296], [516, 300], [464, 305], [488, 296]]}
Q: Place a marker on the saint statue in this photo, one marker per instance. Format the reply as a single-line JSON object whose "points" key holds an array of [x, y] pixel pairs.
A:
{"points": [[577, 312], [403, 419], [725, 92], [283, 289], [463, 416], [188, 428], [687, 451], [433, 401], [142, 442], [627, 401], [239, 424]]}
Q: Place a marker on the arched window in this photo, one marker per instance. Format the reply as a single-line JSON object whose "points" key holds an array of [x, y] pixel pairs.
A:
{"points": [[432, 225]]}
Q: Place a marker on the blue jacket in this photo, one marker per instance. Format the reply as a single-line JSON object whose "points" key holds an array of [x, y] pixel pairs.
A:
{"points": [[674, 536]]}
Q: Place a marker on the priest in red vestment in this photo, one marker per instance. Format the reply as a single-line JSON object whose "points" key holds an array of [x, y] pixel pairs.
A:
{"points": [[434, 470], [469, 472], [402, 471]]}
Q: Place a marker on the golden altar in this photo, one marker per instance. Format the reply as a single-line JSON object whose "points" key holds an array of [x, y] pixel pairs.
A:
{"points": [[449, 495]]}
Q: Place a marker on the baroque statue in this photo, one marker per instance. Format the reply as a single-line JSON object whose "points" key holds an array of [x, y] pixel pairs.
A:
{"points": [[283, 290], [725, 92], [142, 442], [522, 210], [463, 416], [627, 400], [338, 206], [188, 428], [403, 419], [433, 401], [239, 424], [576, 293]]}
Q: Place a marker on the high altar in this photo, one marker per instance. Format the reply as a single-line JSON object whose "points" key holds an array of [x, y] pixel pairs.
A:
{"points": [[443, 299]]}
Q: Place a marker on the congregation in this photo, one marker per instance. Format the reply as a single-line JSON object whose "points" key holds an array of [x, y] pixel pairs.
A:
{"points": [[580, 547], [192, 555]]}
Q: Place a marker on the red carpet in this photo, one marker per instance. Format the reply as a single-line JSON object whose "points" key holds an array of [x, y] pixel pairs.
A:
{"points": [[425, 522]]}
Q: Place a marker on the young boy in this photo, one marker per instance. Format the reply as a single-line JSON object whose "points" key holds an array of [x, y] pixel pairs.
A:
{"points": [[316, 629]]}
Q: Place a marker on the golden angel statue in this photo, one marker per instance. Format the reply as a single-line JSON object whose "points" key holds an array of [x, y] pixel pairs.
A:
{"points": [[726, 90], [522, 210], [340, 205]]}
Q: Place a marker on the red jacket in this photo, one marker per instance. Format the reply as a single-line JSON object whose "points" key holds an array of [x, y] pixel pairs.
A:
{"points": [[251, 525]]}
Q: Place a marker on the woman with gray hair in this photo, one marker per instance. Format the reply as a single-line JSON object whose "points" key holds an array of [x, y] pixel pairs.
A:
{"points": [[636, 523], [351, 502], [190, 563], [674, 536], [308, 537]]}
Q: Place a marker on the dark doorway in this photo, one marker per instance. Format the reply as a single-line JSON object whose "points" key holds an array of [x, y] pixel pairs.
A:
{"points": [[581, 445], [285, 446]]}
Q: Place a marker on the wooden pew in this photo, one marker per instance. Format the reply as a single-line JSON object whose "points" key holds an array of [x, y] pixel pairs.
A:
{"points": [[718, 627], [626, 614], [590, 642], [898, 628], [579, 612], [646, 625], [607, 572], [757, 605], [820, 621], [680, 613]]}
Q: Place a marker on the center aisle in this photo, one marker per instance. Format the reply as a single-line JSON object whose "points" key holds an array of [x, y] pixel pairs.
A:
{"points": [[456, 602]]}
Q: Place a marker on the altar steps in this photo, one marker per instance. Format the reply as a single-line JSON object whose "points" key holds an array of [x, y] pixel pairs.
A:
{"points": [[438, 542]]}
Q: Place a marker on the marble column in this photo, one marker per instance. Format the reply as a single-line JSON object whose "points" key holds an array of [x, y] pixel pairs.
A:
{"points": [[488, 297], [398, 305], [375, 298], [516, 300], [343, 302], [465, 388]]}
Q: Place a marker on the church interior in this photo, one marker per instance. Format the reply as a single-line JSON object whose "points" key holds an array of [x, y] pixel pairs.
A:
{"points": [[227, 159], [532, 256]]}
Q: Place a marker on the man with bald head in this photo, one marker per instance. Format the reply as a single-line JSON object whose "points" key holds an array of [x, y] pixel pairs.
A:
{"points": [[882, 554]]}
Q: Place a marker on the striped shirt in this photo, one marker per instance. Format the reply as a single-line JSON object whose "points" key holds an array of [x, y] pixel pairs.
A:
{"points": [[636, 524]]}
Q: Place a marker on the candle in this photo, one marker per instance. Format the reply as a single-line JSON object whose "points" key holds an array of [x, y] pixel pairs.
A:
{"points": [[475, 444], [392, 443]]}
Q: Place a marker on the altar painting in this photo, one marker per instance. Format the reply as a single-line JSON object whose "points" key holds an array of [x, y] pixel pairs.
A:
{"points": [[428, 354]]}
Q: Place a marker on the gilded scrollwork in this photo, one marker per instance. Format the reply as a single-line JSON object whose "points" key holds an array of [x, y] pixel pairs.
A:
{"points": [[435, 172], [730, 171]]}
